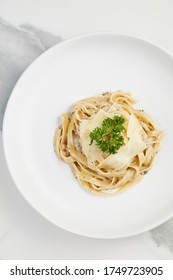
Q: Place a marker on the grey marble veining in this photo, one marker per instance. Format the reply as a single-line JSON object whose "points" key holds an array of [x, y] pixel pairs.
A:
{"points": [[46, 39], [163, 235], [18, 48]]}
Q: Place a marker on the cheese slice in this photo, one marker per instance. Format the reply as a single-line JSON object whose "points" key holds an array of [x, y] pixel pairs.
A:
{"points": [[134, 146], [134, 126], [92, 152]]}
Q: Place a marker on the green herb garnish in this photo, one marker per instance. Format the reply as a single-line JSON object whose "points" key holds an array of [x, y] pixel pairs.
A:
{"points": [[108, 137]]}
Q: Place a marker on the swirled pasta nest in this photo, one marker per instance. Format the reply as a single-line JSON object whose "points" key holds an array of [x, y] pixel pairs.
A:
{"points": [[95, 170]]}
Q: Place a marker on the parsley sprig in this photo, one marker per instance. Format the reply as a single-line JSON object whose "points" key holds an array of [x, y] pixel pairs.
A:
{"points": [[108, 137]]}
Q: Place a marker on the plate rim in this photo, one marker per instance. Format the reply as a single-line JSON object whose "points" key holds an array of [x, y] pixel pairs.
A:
{"points": [[35, 61]]}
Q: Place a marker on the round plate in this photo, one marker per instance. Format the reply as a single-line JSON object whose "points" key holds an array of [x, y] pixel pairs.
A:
{"points": [[72, 70]]}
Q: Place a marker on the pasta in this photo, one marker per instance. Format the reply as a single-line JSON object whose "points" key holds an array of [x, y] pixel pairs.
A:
{"points": [[96, 170]]}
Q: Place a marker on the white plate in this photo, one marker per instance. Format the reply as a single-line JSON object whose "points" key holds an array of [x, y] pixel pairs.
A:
{"points": [[69, 71]]}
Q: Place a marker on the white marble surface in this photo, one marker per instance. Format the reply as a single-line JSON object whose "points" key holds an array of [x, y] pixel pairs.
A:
{"points": [[28, 28]]}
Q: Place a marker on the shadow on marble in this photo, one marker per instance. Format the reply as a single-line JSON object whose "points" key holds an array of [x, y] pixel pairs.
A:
{"points": [[18, 48]]}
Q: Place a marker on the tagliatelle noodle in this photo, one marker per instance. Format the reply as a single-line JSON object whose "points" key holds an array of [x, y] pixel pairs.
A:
{"points": [[95, 170]]}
